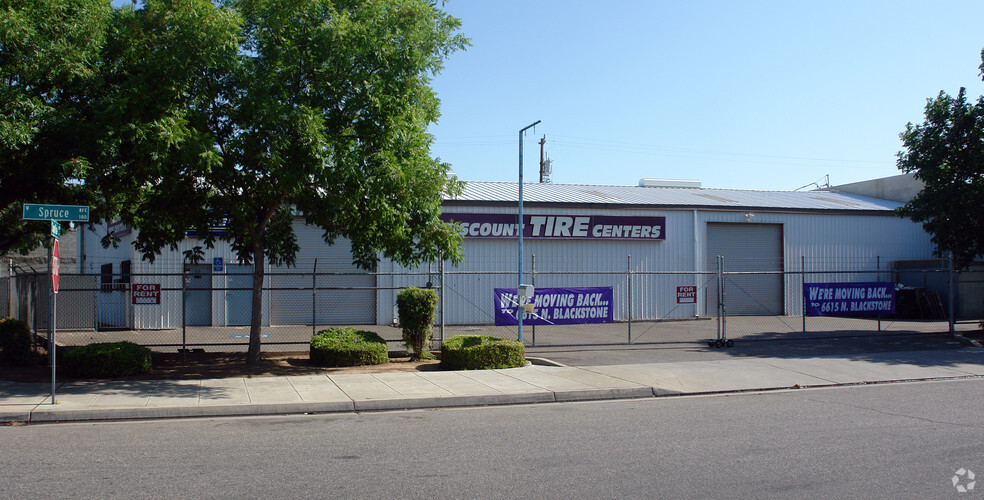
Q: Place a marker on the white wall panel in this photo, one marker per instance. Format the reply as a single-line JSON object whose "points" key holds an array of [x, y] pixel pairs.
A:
{"points": [[334, 304], [826, 241], [834, 242], [576, 263]]}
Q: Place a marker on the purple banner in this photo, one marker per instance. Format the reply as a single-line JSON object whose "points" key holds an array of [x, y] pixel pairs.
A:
{"points": [[589, 227], [556, 306], [849, 299]]}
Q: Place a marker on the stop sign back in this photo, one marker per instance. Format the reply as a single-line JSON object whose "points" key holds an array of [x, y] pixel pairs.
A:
{"points": [[54, 266]]}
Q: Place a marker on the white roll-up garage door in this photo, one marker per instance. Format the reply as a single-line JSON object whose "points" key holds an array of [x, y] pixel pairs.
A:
{"points": [[754, 248]]}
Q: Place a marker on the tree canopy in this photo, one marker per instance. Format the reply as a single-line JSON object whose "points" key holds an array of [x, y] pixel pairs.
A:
{"points": [[946, 152], [246, 113], [49, 56]]}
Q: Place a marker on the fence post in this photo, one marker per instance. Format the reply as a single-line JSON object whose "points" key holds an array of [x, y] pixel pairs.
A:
{"points": [[718, 305], [803, 288], [628, 277], [722, 307], [951, 292], [36, 300], [533, 273], [878, 278], [314, 299], [440, 300], [185, 278], [10, 290]]}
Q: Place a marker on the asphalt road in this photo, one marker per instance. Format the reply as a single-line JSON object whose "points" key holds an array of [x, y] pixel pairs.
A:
{"points": [[894, 440]]}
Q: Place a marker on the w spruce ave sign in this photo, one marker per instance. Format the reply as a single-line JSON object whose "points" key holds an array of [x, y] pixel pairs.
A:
{"points": [[73, 213]]}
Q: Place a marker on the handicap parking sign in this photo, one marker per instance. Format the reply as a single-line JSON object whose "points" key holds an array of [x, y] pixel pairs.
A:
{"points": [[217, 265]]}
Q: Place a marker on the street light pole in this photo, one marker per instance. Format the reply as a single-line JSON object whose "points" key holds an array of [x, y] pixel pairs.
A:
{"points": [[519, 307]]}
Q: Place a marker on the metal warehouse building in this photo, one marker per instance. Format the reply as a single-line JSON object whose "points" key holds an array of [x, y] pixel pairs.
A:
{"points": [[663, 234]]}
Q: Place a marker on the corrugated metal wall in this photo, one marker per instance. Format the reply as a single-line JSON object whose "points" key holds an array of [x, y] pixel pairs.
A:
{"points": [[334, 303], [825, 241], [166, 270], [834, 242], [576, 263]]}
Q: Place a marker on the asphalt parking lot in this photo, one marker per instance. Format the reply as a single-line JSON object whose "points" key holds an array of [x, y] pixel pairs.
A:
{"points": [[603, 344], [841, 344]]}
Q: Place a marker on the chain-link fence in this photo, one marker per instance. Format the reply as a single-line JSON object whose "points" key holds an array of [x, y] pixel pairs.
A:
{"points": [[212, 310], [688, 307]]}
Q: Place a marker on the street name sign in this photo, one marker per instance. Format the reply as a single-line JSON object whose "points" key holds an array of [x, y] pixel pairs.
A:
{"points": [[73, 213]]}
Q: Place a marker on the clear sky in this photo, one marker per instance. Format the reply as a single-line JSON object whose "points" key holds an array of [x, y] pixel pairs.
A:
{"points": [[737, 94]]}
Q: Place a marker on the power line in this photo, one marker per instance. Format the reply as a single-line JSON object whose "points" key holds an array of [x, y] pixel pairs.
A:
{"points": [[649, 149], [668, 150]]}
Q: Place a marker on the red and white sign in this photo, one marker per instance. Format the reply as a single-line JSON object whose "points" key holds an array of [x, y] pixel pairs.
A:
{"points": [[686, 295], [54, 266], [146, 293]]}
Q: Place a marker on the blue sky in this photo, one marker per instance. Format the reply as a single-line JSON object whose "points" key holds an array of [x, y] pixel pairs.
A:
{"points": [[749, 95]]}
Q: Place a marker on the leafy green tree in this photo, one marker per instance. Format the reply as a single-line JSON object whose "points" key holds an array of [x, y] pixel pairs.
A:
{"points": [[246, 113], [49, 52], [946, 152]]}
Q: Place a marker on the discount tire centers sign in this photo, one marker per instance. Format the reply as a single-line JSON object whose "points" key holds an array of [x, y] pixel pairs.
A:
{"points": [[849, 299], [585, 227], [556, 306]]}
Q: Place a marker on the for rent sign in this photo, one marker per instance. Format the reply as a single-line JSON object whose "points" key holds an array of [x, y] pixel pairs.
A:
{"points": [[146, 293], [587, 227], [686, 295], [849, 299], [556, 306]]}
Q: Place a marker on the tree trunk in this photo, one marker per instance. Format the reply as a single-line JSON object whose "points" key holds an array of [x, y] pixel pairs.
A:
{"points": [[256, 315]]}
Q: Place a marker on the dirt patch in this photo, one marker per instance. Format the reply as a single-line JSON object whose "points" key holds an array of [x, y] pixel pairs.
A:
{"points": [[198, 365]]}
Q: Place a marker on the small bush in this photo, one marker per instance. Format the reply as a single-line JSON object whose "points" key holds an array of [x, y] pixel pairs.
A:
{"points": [[15, 343], [348, 347], [481, 352], [416, 307], [107, 359]]}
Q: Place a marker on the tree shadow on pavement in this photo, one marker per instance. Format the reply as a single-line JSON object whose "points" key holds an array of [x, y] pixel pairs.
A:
{"points": [[914, 348]]}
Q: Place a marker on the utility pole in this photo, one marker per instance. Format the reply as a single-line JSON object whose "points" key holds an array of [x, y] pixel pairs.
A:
{"points": [[543, 141], [519, 284]]}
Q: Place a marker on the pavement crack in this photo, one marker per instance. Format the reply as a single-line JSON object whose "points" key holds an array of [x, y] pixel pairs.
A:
{"points": [[801, 373], [895, 414]]}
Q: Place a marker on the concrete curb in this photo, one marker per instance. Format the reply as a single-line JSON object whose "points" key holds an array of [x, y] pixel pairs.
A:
{"points": [[520, 386], [42, 414], [15, 416], [93, 414], [544, 362]]}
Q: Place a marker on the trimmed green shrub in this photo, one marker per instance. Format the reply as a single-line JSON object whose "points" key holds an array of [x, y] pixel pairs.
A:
{"points": [[481, 352], [348, 347], [15, 343], [416, 307], [107, 359]]}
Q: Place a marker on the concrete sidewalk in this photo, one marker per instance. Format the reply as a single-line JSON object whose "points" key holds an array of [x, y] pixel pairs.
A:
{"points": [[147, 399]]}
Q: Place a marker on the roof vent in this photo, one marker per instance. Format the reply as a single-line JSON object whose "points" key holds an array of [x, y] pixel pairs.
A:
{"points": [[675, 183]]}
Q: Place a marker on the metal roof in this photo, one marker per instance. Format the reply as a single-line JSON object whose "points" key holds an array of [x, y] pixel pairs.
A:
{"points": [[487, 192]]}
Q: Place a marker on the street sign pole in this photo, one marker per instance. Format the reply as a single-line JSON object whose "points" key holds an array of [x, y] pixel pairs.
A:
{"points": [[54, 261], [54, 213]]}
